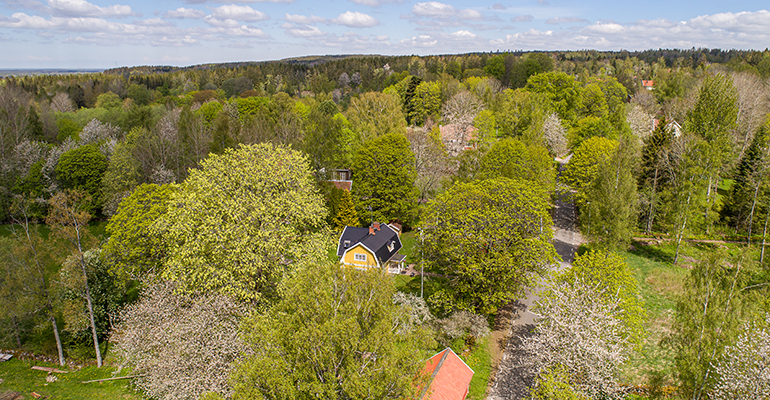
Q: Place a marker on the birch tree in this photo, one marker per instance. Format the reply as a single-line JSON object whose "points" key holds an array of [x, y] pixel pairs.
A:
{"points": [[68, 219]]}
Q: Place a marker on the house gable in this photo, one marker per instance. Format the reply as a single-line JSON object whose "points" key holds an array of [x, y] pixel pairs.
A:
{"points": [[360, 256], [381, 240]]}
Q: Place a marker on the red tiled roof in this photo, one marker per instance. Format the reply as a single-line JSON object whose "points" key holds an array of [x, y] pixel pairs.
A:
{"points": [[648, 83], [450, 377]]}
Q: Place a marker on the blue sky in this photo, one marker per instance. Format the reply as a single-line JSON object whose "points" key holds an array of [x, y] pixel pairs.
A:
{"points": [[109, 33]]}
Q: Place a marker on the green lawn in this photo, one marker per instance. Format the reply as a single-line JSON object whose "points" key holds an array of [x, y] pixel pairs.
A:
{"points": [[18, 377], [660, 283], [480, 361]]}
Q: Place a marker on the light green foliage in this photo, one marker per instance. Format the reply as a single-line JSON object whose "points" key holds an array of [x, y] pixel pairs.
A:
{"points": [[108, 100], [493, 237], [246, 216], [519, 112], [608, 205], [383, 176], [711, 121], [137, 247], [346, 212], [486, 124], [709, 316], [210, 110], [586, 160], [608, 272], [554, 384], [593, 102], [335, 333], [67, 128], [82, 169], [252, 105], [425, 103], [510, 158], [375, 114], [120, 178], [589, 127], [561, 89]]}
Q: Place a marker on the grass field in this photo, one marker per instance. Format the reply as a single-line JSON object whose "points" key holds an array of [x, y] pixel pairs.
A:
{"points": [[17, 376], [660, 283]]}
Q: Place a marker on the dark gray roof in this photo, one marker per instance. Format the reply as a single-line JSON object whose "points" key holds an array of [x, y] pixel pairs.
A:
{"points": [[384, 242]]}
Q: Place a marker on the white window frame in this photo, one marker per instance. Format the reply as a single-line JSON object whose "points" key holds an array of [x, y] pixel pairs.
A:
{"points": [[359, 257]]}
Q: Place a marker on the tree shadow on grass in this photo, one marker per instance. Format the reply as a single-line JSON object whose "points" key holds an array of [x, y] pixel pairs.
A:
{"points": [[653, 253]]}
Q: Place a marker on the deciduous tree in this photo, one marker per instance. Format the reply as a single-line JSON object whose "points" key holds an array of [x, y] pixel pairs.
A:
{"points": [[180, 345], [384, 175], [493, 237], [336, 333], [68, 218], [242, 220]]}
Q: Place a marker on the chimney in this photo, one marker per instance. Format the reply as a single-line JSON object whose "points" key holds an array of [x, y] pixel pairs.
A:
{"points": [[371, 231], [376, 226]]}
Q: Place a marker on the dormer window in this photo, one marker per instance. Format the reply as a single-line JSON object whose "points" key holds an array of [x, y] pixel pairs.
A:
{"points": [[346, 244]]}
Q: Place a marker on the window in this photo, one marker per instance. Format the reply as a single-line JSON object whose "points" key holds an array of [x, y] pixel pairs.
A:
{"points": [[360, 257], [347, 244], [392, 245]]}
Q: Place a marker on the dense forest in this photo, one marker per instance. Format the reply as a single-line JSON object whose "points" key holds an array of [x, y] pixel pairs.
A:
{"points": [[194, 207]]}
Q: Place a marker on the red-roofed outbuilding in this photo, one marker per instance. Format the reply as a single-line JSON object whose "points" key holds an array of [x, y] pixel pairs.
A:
{"points": [[450, 377]]}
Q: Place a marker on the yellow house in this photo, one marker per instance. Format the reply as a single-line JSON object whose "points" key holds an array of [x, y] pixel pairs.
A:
{"points": [[374, 247]]}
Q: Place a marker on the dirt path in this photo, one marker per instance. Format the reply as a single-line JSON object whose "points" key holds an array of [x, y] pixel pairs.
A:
{"points": [[512, 381]]}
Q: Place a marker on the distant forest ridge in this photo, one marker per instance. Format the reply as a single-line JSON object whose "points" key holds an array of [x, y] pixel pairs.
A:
{"points": [[45, 71], [670, 55]]}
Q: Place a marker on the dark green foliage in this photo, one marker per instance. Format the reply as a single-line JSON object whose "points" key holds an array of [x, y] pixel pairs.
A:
{"points": [[82, 169], [235, 86], [35, 126], [383, 180], [139, 94], [495, 66]]}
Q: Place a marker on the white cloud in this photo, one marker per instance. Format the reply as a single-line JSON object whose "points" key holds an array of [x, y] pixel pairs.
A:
{"points": [[464, 34], [354, 19], [239, 13], [237, 1], [82, 8], [221, 23], [434, 9], [305, 32], [184, 13], [469, 14], [153, 22], [369, 3], [304, 20], [564, 20], [522, 18]]}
